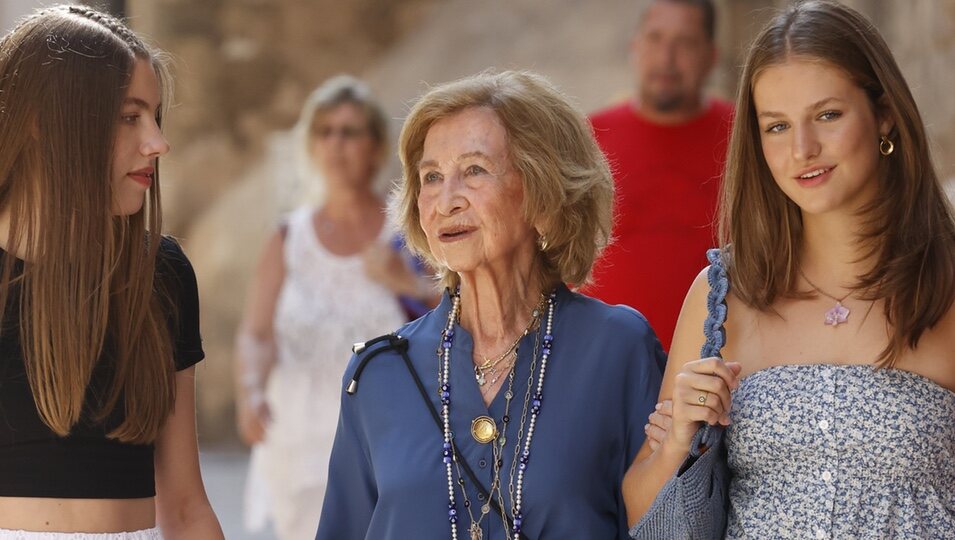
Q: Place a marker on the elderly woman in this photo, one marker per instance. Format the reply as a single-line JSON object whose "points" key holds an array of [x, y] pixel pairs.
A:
{"points": [[513, 409], [315, 294]]}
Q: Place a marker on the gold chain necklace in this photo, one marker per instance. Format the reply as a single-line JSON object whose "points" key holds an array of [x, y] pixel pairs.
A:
{"points": [[481, 371], [495, 375]]}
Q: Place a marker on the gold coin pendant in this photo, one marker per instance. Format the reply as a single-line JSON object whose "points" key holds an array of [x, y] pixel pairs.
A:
{"points": [[483, 429]]}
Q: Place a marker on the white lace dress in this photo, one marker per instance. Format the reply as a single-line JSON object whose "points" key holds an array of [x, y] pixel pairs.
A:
{"points": [[326, 304]]}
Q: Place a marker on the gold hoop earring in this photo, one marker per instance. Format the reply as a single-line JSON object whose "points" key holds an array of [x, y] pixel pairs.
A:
{"points": [[885, 146], [542, 242]]}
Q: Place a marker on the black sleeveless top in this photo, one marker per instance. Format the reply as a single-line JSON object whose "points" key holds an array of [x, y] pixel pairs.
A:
{"points": [[35, 462]]}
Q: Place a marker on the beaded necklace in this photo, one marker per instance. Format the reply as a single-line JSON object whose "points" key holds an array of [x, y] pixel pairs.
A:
{"points": [[521, 451]]}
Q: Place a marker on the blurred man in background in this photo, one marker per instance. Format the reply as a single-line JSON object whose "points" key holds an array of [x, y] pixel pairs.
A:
{"points": [[666, 147]]}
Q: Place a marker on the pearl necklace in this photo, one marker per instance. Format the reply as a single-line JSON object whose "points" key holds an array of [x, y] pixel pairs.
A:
{"points": [[523, 459]]}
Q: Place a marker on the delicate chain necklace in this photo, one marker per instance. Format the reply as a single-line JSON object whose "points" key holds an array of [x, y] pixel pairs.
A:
{"points": [[496, 373], [838, 314], [450, 457], [488, 367]]}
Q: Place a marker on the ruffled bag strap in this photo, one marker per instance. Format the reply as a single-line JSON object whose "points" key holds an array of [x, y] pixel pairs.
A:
{"points": [[693, 504], [710, 436], [715, 306]]}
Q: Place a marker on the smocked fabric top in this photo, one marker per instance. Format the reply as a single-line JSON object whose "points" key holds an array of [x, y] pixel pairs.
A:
{"points": [[823, 451]]}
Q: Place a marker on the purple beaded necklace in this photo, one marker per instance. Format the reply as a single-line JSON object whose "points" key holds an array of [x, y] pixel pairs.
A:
{"points": [[523, 459]]}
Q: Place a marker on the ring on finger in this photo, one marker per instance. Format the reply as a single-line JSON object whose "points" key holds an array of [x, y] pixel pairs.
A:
{"points": [[703, 397]]}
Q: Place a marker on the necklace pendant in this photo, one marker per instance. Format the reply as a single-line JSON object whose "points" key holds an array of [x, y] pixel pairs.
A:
{"points": [[839, 314], [479, 376], [483, 429], [476, 532]]}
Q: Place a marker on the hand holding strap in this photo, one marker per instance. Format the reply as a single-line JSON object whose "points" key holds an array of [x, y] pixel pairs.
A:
{"points": [[692, 505]]}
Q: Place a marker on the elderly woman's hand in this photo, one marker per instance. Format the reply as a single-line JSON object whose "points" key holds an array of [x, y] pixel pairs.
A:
{"points": [[383, 265], [701, 394], [660, 422]]}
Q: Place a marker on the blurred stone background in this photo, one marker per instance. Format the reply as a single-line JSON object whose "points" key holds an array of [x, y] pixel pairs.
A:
{"points": [[243, 67]]}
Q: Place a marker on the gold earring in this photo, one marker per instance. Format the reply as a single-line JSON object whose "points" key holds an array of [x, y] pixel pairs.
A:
{"points": [[542, 242], [885, 146]]}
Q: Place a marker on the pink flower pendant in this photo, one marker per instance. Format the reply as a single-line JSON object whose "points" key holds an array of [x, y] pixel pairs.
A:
{"points": [[837, 315]]}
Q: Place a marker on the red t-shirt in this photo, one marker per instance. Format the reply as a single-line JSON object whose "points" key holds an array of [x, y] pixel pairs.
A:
{"points": [[667, 183]]}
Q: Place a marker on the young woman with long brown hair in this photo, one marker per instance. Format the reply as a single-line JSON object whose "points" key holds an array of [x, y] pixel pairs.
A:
{"points": [[100, 312], [838, 249]]}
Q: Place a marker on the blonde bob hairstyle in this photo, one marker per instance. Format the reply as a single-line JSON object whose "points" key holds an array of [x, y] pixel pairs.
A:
{"points": [[568, 189]]}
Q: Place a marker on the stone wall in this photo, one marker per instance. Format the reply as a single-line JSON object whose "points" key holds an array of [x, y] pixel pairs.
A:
{"points": [[242, 69]]}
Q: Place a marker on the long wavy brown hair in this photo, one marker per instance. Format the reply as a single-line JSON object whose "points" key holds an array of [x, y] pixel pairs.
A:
{"points": [[908, 229], [87, 283]]}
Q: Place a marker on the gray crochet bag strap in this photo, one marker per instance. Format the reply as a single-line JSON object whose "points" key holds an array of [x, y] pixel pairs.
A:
{"points": [[715, 333], [692, 504]]}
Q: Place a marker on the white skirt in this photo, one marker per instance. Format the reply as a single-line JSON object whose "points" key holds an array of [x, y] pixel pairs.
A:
{"points": [[145, 534]]}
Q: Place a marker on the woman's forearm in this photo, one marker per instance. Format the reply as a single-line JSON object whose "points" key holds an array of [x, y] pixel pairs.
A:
{"points": [[646, 478], [255, 358]]}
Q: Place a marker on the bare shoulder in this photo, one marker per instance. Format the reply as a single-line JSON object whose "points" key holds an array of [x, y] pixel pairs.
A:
{"points": [[937, 350], [272, 257], [946, 327], [688, 337], [276, 241], [265, 286]]}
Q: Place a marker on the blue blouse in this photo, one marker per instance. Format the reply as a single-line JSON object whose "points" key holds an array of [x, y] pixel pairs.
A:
{"points": [[387, 479]]}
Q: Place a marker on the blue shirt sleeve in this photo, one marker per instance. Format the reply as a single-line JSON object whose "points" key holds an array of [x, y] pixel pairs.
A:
{"points": [[350, 495], [649, 362]]}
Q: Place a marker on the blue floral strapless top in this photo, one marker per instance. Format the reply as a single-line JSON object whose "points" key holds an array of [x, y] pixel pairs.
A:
{"points": [[841, 451]]}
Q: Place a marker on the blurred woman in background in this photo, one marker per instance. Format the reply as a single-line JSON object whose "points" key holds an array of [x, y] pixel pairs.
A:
{"points": [[328, 277]]}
